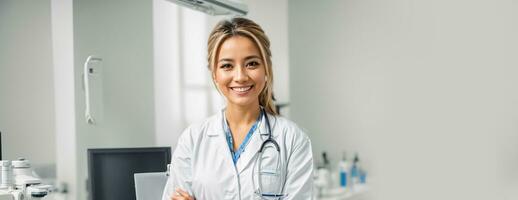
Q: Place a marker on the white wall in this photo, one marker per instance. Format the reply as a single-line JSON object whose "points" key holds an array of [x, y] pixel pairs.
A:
{"points": [[424, 90], [26, 84], [166, 58], [121, 32], [64, 96]]}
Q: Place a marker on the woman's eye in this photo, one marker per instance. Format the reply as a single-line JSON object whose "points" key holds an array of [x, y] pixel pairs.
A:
{"points": [[225, 66], [252, 64]]}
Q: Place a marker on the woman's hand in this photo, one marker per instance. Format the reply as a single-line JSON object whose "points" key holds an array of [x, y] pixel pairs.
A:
{"points": [[182, 195]]}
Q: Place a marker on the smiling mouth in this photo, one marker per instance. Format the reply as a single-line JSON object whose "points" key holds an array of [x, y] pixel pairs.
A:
{"points": [[242, 89]]}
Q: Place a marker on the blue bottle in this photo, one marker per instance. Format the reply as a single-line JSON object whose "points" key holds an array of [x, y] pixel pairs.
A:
{"points": [[342, 167]]}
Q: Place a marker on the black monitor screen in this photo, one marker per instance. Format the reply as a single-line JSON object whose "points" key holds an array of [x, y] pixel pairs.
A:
{"points": [[111, 171]]}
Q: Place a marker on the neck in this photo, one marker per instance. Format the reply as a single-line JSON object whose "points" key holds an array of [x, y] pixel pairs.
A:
{"points": [[242, 115]]}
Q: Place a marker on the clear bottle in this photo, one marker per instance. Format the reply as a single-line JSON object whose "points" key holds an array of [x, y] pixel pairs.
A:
{"points": [[322, 176], [325, 161], [355, 170], [7, 178]]}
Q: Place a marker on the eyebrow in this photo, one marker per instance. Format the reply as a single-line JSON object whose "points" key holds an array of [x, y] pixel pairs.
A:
{"points": [[246, 58]]}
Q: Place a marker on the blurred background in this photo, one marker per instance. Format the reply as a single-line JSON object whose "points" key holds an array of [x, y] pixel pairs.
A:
{"points": [[425, 92]]}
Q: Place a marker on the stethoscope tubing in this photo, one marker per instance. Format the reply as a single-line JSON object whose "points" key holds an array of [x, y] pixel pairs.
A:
{"points": [[258, 163]]}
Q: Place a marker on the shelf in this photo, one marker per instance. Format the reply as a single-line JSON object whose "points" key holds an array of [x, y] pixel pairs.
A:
{"points": [[344, 194]]}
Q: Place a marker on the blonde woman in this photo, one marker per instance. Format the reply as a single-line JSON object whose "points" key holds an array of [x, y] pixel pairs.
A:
{"points": [[247, 151]]}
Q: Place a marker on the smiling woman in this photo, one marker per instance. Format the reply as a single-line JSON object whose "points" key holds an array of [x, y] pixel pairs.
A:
{"points": [[245, 40], [239, 73], [246, 151]]}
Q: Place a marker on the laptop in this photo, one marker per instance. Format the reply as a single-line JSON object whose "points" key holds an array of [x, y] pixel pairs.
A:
{"points": [[150, 186]]}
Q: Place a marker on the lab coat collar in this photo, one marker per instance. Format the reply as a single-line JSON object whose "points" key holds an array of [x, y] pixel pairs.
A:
{"points": [[216, 127], [255, 142]]}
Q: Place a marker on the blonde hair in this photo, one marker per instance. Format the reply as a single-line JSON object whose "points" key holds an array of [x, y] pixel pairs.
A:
{"points": [[239, 26]]}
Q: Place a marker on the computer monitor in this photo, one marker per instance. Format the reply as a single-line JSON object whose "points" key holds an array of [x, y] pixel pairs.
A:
{"points": [[111, 171]]}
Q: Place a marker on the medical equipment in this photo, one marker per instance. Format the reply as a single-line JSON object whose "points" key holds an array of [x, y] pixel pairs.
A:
{"points": [[89, 70], [276, 175], [215, 7], [322, 181], [19, 182]]}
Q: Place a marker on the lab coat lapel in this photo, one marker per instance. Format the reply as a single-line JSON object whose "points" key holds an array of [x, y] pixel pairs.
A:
{"points": [[255, 144], [250, 151], [216, 132]]}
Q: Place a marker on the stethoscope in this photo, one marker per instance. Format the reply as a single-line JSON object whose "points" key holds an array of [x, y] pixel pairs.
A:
{"points": [[281, 174], [278, 168]]}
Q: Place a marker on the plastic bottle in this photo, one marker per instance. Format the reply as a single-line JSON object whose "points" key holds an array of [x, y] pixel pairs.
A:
{"points": [[343, 171], [355, 170], [325, 161], [7, 180], [363, 176], [322, 176]]}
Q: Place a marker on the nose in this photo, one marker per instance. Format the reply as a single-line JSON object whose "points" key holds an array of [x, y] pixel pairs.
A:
{"points": [[241, 75]]}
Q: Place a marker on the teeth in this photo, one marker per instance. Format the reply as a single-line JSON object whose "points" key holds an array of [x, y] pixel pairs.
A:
{"points": [[241, 89]]}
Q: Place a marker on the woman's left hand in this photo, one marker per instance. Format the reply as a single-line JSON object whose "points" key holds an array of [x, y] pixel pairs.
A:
{"points": [[182, 195]]}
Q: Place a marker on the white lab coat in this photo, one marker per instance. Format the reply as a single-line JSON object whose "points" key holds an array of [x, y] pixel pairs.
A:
{"points": [[202, 163]]}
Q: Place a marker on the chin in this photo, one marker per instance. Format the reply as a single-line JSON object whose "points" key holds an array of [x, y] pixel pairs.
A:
{"points": [[242, 102]]}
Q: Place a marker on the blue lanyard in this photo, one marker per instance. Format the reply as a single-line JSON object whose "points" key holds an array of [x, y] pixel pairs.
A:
{"points": [[241, 149]]}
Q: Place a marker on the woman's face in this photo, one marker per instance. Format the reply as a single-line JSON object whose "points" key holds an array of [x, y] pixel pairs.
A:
{"points": [[239, 72]]}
